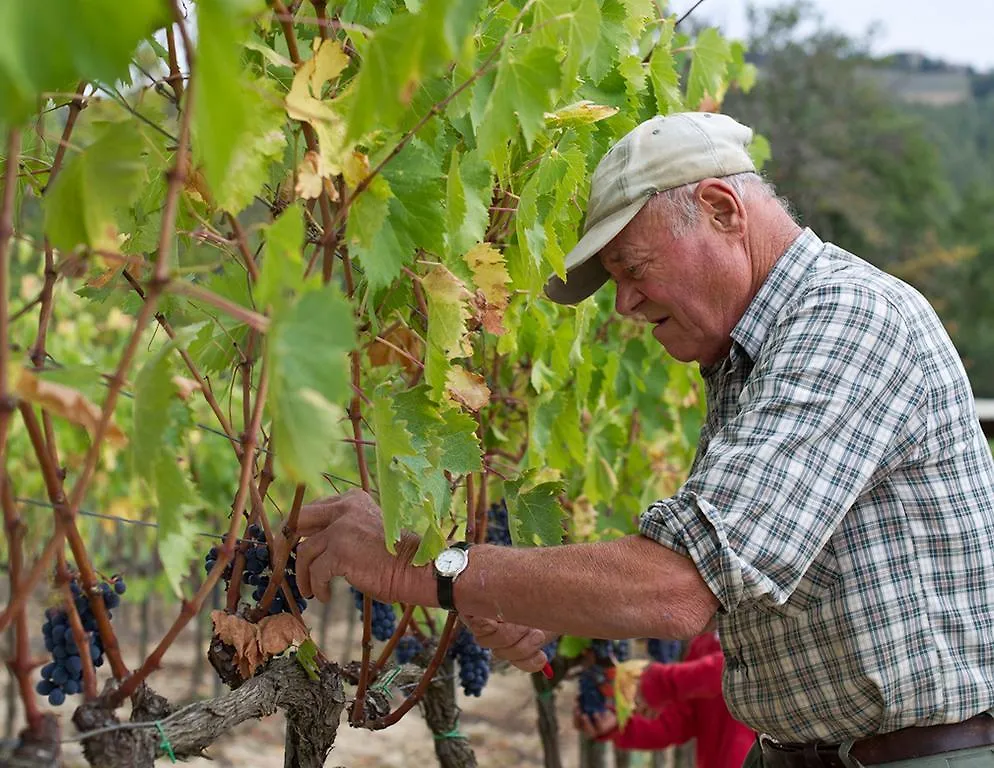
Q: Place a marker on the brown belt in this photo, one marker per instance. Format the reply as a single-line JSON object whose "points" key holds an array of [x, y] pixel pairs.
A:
{"points": [[905, 744]]}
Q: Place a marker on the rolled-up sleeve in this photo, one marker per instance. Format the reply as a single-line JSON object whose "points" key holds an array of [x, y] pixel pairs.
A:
{"points": [[834, 397]]}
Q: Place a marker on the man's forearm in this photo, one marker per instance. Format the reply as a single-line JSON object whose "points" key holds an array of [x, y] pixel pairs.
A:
{"points": [[631, 587]]}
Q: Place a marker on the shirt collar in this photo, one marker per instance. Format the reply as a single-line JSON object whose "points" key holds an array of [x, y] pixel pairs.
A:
{"points": [[780, 284]]}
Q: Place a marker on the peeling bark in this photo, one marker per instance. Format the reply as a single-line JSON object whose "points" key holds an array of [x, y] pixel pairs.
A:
{"points": [[313, 710]]}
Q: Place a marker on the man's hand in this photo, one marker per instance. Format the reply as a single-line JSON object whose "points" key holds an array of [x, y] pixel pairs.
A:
{"points": [[595, 725], [522, 646], [344, 537]]}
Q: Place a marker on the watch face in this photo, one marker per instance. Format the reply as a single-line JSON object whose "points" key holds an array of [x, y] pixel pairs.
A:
{"points": [[450, 562]]}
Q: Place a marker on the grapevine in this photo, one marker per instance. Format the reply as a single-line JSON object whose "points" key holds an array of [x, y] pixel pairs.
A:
{"points": [[313, 253]]}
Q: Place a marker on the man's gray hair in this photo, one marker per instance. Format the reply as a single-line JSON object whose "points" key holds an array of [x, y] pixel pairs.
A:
{"points": [[682, 213]]}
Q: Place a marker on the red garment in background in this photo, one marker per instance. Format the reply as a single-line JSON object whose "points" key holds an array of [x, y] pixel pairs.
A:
{"points": [[687, 697]]}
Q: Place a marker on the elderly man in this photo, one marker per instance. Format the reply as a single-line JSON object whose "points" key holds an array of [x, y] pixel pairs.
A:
{"points": [[838, 521]]}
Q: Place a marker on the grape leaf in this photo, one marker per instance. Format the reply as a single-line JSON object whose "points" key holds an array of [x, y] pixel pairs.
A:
{"points": [[307, 347], [175, 536], [535, 513], [307, 657], [574, 27], [663, 74], [712, 55], [526, 77], [223, 96], [283, 263], [93, 186], [261, 144], [81, 41], [491, 279], [468, 192], [393, 442], [448, 311]]}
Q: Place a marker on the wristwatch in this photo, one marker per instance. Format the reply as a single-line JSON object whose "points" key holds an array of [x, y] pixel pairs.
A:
{"points": [[448, 565]]}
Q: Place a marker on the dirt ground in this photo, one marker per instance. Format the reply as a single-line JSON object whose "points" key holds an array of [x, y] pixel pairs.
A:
{"points": [[501, 724]]}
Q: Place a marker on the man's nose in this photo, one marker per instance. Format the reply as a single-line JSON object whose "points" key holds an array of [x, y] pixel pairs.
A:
{"points": [[626, 299]]}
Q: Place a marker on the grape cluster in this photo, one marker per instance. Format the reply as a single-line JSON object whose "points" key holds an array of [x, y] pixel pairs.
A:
{"points": [[550, 649], [63, 676], [664, 651], [593, 680], [258, 571], [474, 662], [607, 652], [622, 650], [498, 529], [384, 619], [407, 649]]}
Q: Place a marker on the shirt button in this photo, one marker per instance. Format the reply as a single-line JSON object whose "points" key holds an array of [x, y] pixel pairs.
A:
{"points": [[733, 663]]}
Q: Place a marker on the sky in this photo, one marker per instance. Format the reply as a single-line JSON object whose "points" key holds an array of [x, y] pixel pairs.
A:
{"points": [[958, 31]]}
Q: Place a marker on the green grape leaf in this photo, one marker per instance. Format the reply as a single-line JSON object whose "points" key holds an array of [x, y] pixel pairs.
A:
{"points": [[226, 105], [395, 61], [468, 193], [759, 150], [154, 391], [612, 40], [393, 442], [712, 55], [446, 435], [283, 263], [308, 348], [432, 543], [81, 41], [261, 143], [175, 540], [535, 514], [741, 72], [417, 208], [522, 90], [307, 657], [458, 443], [663, 73], [102, 179], [573, 26]]}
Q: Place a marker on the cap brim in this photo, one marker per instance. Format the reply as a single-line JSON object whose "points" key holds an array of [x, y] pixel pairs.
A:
{"points": [[584, 271]]}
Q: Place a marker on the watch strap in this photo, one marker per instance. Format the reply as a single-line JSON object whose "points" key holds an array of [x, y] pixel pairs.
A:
{"points": [[446, 584]]}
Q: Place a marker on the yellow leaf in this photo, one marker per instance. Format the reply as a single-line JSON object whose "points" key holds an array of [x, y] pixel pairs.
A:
{"points": [[580, 112], [66, 402], [491, 278], [329, 61], [309, 184], [355, 168], [467, 388], [304, 103], [626, 686]]}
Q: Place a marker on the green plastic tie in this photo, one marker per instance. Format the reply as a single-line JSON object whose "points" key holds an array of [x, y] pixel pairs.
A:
{"points": [[164, 744], [384, 682], [455, 733]]}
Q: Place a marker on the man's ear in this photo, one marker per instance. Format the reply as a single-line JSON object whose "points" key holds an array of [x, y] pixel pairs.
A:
{"points": [[722, 206]]}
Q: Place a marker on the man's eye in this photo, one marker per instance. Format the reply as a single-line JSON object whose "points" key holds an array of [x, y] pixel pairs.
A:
{"points": [[633, 270]]}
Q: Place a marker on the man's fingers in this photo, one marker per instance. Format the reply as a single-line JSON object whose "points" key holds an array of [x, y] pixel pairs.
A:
{"points": [[320, 572], [315, 517], [479, 626], [307, 551]]}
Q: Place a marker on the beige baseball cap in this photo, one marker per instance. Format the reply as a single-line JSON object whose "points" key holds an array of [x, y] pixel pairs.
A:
{"points": [[659, 154]]}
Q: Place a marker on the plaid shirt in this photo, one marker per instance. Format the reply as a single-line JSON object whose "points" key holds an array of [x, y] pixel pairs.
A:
{"points": [[841, 508]]}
